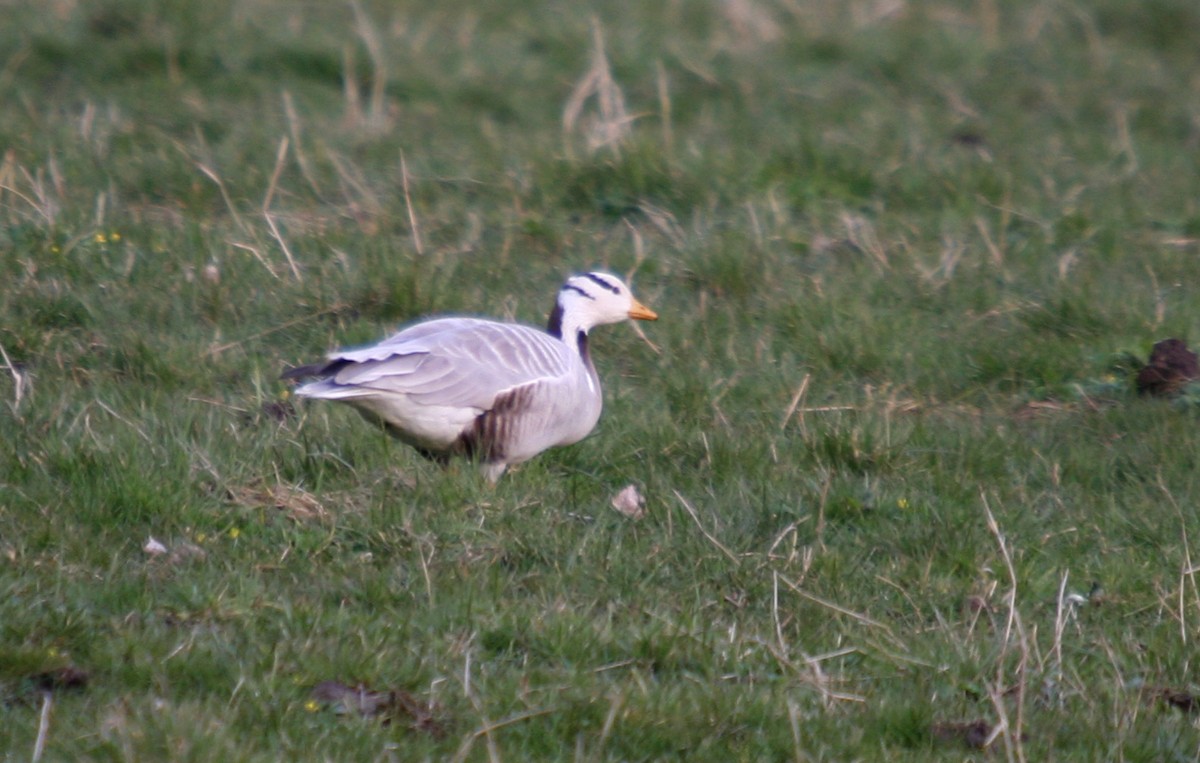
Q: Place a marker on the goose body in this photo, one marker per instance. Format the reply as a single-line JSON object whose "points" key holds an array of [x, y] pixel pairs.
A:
{"points": [[499, 393]]}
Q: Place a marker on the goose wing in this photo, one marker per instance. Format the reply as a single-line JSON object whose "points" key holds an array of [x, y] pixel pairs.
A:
{"points": [[451, 362]]}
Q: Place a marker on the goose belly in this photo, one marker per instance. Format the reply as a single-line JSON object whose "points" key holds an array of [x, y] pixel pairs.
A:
{"points": [[435, 428]]}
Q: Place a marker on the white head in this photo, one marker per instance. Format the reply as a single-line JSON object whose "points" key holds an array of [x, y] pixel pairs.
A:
{"points": [[592, 299]]}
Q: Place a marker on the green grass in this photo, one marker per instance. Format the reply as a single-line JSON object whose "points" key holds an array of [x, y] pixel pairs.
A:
{"points": [[907, 259]]}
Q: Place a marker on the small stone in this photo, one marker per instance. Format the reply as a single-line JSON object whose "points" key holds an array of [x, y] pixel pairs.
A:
{"points": [[630, 502]]}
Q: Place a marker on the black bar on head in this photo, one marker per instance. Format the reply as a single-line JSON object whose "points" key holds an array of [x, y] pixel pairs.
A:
{"points": [[598, 280]]}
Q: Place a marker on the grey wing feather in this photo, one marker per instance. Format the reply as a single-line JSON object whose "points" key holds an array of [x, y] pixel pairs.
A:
{"points": [[454, 362]]}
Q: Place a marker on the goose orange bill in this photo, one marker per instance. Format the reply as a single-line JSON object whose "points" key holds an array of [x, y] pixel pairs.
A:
{"points": [[641, 312]]}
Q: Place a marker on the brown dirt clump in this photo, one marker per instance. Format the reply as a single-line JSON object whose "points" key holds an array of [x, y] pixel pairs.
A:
{"points": [[1172, 365]]}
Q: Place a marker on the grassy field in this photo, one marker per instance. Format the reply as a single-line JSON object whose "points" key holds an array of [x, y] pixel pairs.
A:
{"points": [[902, 501]]}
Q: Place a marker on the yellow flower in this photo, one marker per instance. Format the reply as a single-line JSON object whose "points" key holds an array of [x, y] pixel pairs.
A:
{"points": [[312, 706], [234, 532], [54, 248], [100, 238], [201, 537], [902, 503], [114, 236]]}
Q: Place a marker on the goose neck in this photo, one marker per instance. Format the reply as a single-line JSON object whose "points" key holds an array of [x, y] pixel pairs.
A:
{"points": [[566, 325]]}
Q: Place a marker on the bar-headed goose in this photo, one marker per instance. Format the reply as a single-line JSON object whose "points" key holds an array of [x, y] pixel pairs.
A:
{"points": [[499, 393]]}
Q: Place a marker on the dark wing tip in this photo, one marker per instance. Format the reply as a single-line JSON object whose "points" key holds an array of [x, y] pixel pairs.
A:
{"points": [[300, 372], [324, 368]]}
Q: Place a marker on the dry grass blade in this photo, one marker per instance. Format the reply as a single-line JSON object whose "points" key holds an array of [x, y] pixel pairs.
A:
{"points": [[42, 204], [412, 214], [217, 350], [1062, 613], [352, 113], [664, 106], [861, 233], [639, 250], [794, 723], [942, 273], [20, 377], [254, 250], [287, 252], [1187, 573], [48, 207], [796, 398], [39, 746], [752, 23], [280, 157], [642, 334], [840, 609], [816, 675], [993, 249], [696, 518], [212, 175], [775, 619], [610, 126], [994, 528], [665, 222], [1011, 733], [487, 729], [289, 109], [610, 720], [363, 202], [377, 109], [124, 420]]}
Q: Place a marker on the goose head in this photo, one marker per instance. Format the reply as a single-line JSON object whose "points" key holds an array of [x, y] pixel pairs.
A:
{"points": [[593, 299]]}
